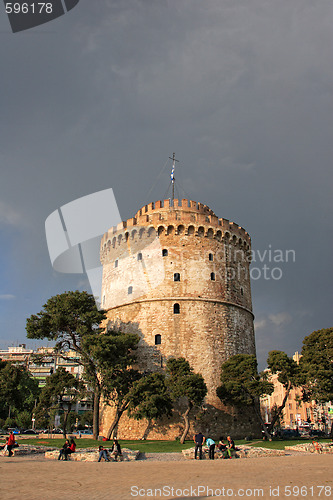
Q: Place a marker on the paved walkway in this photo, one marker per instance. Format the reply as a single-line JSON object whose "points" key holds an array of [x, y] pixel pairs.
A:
{"points": [[31, 479]]}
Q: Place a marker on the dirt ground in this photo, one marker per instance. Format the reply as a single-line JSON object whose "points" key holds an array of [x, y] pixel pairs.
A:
{"points": [[298, 476]]}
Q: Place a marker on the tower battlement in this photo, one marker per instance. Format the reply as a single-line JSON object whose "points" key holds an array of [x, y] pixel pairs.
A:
{"points": [[178, 217]]}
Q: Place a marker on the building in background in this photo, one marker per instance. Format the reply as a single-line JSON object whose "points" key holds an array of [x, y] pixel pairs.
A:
{"points": [[43, 362], [17, 354]]}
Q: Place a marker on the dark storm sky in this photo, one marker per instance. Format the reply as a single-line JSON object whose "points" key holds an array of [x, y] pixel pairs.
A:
{"points": [[241, 90]]}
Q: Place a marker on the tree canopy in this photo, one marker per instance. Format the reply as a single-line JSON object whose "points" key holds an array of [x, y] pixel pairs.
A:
{"points": [[242, 385], [18, 391], [316, 366], [149, 398], [184, 383], [73, 321]]}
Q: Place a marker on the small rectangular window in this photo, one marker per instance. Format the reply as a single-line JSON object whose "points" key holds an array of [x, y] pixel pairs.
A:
{"points": [[158, 339], [130, 290]]}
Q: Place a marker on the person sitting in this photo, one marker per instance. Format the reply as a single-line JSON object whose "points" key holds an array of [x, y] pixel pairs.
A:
{"points": [[70, 449], [67, 449], [62, 451], [317, 446], [223, 448], [116, 450], [103, 454], [231, 447]]}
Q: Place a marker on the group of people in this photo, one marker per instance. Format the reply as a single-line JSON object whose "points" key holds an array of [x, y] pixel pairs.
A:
{"points": [[114, 452], [67, 449], [70, 446], [226, 449]]}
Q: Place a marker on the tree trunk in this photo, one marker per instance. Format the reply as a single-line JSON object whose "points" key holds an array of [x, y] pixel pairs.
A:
{"points": [[66, 413], [145, 434], [280, 409], [64, 430], [187, 423], [97, 397], [262, 423], [119, 412]]}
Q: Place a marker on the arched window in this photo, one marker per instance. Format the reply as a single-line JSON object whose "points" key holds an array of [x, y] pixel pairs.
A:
{"points": [[139, 256], [130, 290], [176, 309], [116, 263], [164, 252], [211, 257], [212, 276], [158, 339], [176, 277]]}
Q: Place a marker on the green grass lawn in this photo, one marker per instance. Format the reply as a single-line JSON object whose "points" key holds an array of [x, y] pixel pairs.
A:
{"points": [[143, 446], [156, 446]]}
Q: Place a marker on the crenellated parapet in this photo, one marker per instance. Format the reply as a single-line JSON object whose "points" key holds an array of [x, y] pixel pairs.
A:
{"points": [[180, 217]]}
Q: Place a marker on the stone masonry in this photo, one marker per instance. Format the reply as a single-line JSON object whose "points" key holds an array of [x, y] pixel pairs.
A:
{"points": [[178, 276]]}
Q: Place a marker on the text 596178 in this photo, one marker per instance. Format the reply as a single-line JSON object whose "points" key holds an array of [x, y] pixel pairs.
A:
{"points": [[29, 8]]}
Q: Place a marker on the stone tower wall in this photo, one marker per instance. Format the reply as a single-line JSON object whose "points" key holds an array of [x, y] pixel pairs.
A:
{"points": [[213, 294]]}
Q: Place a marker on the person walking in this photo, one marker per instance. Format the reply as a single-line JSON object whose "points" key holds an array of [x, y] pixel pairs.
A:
{"points": [[199, 440], [211, 448], [10, 443]]}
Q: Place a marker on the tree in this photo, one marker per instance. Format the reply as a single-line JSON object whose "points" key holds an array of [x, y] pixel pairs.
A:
{"points": [[117, 393], [316, 366], [288, 375], [183, 383], [18, 391], [73, 321], [242, 386], [61, 391], [113, 354], [149, 398]]}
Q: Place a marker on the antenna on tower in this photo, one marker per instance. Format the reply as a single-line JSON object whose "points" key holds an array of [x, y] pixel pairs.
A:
{"points": [[173, 174]]}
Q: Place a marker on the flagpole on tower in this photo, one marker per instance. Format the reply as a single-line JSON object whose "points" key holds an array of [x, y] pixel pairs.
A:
{"points": [[173, 174]]}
